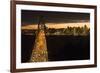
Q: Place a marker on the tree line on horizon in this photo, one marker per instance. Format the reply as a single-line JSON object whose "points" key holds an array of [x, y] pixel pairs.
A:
{"points": [[69, 31], [76, 31]]}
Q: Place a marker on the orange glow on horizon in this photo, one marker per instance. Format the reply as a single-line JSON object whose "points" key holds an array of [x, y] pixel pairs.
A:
{"points": [[56, 26]]}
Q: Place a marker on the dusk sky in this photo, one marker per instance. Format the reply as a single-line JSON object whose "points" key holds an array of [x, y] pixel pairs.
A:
{"points": [[30, 19]]}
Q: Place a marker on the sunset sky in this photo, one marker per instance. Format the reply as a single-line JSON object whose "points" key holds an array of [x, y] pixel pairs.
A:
{"points": [[30, 19]]}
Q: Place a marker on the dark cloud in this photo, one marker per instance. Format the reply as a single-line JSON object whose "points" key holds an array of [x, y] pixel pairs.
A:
{"points": [[32, 17]]}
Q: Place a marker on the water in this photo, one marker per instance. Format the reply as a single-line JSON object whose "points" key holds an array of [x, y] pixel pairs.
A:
{"points": [[60, 47]]}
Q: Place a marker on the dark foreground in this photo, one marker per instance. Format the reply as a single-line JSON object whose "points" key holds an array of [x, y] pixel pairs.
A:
{"points": [[60, 48]]}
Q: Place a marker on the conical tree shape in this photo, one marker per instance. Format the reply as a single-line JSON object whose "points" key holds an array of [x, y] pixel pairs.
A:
{"points": [[39, 52]]}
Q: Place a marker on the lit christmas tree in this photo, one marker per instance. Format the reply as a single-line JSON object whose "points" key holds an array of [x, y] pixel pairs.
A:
{"points": [[39, 52]]}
